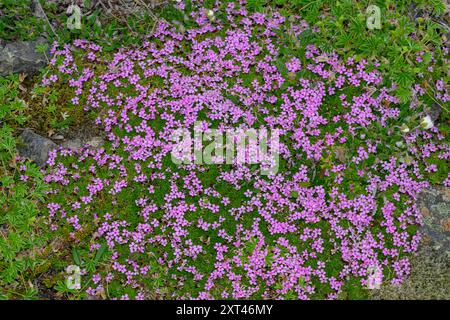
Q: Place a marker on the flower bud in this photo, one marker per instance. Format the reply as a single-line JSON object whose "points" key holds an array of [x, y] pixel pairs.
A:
{"points": [[426, 123], [210, 15], [404, 128], [291, 76], [407, 160]]}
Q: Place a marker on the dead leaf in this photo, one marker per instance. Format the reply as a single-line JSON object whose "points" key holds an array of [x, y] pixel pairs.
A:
{"points": [[446, 224], [340, 153]]}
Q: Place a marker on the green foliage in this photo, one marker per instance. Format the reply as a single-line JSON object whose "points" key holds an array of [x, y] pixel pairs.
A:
{"points": [[21, 228], [17, 21], [340, 26]]}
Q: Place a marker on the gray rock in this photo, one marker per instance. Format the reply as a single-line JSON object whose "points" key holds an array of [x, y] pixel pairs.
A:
{"points": [[434, 112], [77, 143], [429, 279], [95, 142], [434, 203], [22, 57], [58, 137], [73, 144], [35, 147], [37, 9]]}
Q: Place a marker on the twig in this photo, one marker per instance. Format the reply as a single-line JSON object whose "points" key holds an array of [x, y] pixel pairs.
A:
{"points": [[432, 97], [103, 5], [38, 5], [154, 17]]}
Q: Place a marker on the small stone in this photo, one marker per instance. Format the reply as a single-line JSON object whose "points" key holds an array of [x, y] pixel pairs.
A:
{"points": [[22, 57], [35, 147], [37, 10], [95, 142], [434, 112], [74, 144]]}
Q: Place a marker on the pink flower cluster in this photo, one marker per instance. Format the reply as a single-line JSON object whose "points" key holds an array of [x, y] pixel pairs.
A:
{"points": [[226, 231]]}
